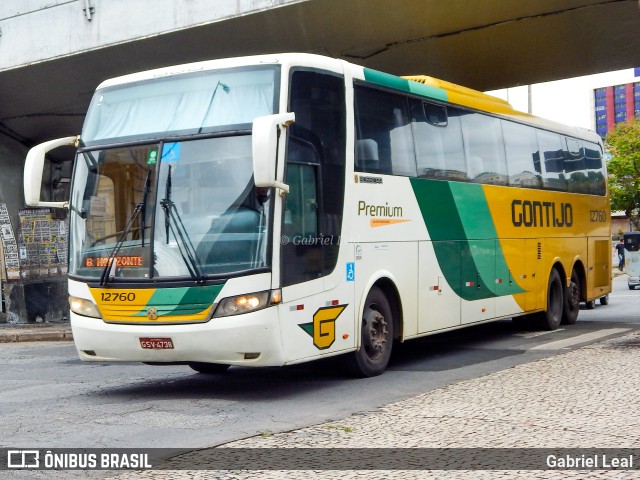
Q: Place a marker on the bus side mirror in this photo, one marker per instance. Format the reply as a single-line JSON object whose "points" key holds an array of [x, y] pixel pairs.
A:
{"points": [[266, 133], [33, 168]]}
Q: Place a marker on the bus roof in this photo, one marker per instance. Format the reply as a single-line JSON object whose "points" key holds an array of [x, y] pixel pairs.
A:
{"points": [[422, 85], [475, 99], [444, 91], [465, 96]]}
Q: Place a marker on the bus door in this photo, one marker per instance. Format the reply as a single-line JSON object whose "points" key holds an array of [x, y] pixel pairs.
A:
{"points": [[438, 285], [316, 316], [599, 262]]}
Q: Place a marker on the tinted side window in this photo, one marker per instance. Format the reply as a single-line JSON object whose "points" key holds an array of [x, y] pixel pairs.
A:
{"points": [[438, 138], [523, 160], [595, 168], [575, 167], [483, 147], [384, 140], [552, 154]]}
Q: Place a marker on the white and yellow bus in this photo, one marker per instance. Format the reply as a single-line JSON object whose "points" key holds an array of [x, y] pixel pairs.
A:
{"points": [[278, 209]]}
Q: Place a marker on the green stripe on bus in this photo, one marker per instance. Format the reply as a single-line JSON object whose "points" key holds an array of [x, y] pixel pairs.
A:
{"points": [[182, 300], [409, 86], [459, 223], [442, 219], [475, 216]]}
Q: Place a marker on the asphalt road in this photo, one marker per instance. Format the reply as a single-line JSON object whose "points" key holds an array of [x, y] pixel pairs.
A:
{"points": [[49, 399]]}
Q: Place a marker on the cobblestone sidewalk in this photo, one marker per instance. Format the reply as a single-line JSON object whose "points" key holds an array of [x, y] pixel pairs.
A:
{"points": [[586, 398]]}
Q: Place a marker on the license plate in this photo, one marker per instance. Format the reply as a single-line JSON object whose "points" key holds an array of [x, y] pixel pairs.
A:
{"points": [[156, 343]]}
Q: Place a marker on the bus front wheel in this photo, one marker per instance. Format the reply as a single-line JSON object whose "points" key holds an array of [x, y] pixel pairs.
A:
{"points": [[550, 319], [372, 357]]}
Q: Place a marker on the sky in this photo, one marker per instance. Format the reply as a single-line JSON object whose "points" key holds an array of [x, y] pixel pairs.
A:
{"points": [[566, 101]]}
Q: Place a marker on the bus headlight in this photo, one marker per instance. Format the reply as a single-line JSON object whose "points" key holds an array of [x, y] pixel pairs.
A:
{"points": [[83, 307], [247, 303]]}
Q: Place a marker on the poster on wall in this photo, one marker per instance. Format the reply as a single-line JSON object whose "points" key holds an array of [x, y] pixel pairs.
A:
{"points": [[10, 247], [42, 243]]}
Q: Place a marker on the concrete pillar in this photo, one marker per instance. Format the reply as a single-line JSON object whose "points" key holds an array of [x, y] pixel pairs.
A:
{"points": [[33, 296]]}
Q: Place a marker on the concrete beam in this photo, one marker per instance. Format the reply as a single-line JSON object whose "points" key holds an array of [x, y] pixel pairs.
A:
{"points": [[45, 30]]}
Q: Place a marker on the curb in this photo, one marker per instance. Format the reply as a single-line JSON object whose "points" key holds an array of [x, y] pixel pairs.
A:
{"points": [[29, 333]]}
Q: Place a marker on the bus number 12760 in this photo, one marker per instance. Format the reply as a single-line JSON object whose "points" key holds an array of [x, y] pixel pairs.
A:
{"points": [[117, 297]]}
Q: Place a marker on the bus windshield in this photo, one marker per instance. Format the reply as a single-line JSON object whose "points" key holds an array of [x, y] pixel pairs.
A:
{"points": [[178, 209], [163, 185], [185, 104]]}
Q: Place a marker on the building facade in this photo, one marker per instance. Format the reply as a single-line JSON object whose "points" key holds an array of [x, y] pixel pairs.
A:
{"points": [[616, 104]]}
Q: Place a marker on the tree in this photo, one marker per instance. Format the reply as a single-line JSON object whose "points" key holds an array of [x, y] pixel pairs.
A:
{"points": [[623, 142]]}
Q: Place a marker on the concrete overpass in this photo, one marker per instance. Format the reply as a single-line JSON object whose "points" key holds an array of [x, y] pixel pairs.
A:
{"points": [[53, 53]]}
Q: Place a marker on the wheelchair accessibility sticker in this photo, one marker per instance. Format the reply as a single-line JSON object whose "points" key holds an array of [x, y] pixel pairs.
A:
{"points": [[351, 271]]}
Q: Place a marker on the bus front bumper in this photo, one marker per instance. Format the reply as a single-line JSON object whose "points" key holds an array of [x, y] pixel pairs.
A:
{"points": [[251, 339]]}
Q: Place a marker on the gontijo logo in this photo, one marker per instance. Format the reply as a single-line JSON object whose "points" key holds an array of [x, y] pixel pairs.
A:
{"points": [[527, 213], [382, 215]]}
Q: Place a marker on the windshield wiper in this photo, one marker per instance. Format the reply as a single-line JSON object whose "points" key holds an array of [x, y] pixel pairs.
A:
{"points": [[173, 223], [139, 208], [143, 205]]}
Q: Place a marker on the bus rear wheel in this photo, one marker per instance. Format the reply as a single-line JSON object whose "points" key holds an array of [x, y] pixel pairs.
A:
{"points": [[372, 357], [551, 318], [571, 300], [208, 368]]}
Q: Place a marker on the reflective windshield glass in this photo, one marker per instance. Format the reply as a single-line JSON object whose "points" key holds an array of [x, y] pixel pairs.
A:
{"points": [[204, 218], [112, 207], [181, 104], [208, 217]]}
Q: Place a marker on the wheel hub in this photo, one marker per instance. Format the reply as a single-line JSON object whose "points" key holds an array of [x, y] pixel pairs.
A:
{"points": [[375, 329]]}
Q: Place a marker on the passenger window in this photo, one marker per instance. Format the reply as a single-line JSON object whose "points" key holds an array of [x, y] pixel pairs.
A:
{"points": [[438, 140], [552, 154], [523, 160], [595, 170], [575, 167], [384, 139], [483, 147], [436, 114]]}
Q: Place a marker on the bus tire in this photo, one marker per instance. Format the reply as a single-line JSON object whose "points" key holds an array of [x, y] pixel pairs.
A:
{"points": [[551, 318], [208, 368], [591, 304], [571, 301], [604, 300], [376, 341]]}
